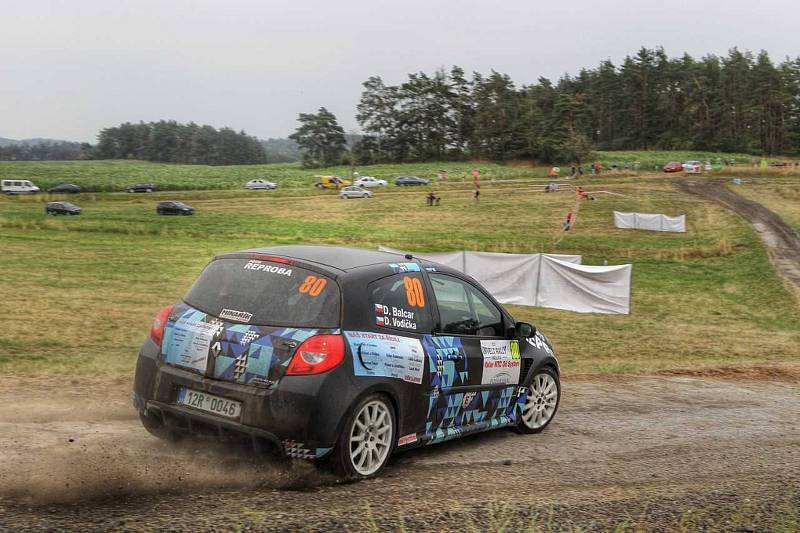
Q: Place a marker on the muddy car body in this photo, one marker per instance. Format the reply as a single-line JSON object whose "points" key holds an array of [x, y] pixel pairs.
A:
{"points": [[341, 355]]}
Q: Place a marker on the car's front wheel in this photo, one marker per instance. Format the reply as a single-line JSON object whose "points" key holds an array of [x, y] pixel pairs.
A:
{"points": [[541, 403], [367, 439]]}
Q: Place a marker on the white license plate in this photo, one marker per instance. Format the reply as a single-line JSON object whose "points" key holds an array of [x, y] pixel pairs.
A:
{"points": [[209, 403]]}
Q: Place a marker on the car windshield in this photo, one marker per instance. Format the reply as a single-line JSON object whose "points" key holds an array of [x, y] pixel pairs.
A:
{"points": [[266, 293]]}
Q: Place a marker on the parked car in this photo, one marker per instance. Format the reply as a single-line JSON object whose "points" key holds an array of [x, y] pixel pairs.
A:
{"points": [[259, 184], [65, 188], [174, 208], [331, 182], [355, 192], [369, 181], [142, 187], [673, 166], [62, 208], [342, 356], [410, 180], [693, 167], [18, 187]]}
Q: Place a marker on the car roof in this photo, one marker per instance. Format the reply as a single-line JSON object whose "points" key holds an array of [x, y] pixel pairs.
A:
{"points": [[338, 257]]}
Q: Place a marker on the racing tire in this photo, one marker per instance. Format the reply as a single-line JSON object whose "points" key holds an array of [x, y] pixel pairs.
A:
{"points": [[158, 430], [367, 439], [541, 404]]}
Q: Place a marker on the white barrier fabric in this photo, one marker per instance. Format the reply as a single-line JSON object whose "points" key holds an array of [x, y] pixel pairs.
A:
{"points": [[585, 289], [543, 280], [676, 224], [624, 220], [650, 222]]}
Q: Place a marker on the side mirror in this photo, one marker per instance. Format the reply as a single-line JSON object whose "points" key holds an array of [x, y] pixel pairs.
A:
{"points": [[524, 330]]}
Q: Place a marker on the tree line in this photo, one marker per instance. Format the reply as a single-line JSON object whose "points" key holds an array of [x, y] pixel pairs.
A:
{"points": [[171, 142], [46, 151], [737, 103]]}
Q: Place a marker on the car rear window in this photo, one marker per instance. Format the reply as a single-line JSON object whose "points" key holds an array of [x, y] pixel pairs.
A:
{"points": [[266, 293]]}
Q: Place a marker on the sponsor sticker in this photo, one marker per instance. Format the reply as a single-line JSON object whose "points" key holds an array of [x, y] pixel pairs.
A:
{"points": [[264, 267], [407, 439], [190, 343], [377, 354], [404, 267], [233, 314], [501, 362], [468, 397]]}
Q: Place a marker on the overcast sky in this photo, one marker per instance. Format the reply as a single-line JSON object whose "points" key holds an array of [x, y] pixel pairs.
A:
{"points": [[70, 68]]}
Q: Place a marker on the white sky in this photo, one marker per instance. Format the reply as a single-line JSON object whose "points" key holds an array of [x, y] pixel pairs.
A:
{"points": [[70, 68]]}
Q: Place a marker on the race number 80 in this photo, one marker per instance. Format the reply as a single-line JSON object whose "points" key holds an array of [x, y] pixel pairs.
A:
{"points": [[312, 285], [414, 294]]}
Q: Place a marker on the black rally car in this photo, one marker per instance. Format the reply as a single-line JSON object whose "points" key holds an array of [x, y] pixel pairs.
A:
{"points": [[341, 355]]}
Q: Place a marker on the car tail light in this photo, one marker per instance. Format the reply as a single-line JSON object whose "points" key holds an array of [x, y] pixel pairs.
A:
{"points": [[273, 258], [316, 355], [159, 322]]}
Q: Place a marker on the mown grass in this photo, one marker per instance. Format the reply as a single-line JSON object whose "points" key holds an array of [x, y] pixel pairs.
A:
{"points": [[115, 175], [781, 197], [80, 292]]}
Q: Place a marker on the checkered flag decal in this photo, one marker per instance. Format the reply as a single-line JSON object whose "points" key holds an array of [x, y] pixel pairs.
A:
{"points": [[240, 366]]}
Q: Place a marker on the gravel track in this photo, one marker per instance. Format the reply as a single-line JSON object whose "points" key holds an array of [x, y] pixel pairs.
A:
{"points": [[646, 450]]}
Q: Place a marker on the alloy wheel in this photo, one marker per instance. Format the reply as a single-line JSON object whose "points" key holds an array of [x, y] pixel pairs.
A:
{"points": [[540, 406], [370, 438]]}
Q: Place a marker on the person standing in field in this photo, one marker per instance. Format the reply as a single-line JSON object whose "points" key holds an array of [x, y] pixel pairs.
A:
{"points": [[476, 185], [553, 173]]}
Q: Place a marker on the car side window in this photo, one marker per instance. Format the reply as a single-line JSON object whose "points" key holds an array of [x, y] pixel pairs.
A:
{"points": [[464, 310], [400, 302]]}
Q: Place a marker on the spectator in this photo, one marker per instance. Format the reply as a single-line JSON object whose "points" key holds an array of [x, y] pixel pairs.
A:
{"points": [[476, 187], [432, 198], [567, 224]]}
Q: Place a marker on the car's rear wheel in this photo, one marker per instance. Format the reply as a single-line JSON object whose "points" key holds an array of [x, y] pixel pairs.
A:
{"points": [[541, 403], [367, 438]]}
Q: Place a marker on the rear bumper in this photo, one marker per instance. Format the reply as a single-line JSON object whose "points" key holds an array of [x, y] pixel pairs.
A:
{"points": [[293, 416]]}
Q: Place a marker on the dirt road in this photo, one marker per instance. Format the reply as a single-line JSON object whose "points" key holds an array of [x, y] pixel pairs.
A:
{"points": [[782, 243], [649, 450]]}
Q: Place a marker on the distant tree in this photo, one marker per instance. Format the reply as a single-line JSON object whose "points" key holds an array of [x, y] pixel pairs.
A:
{"points": [[320, 137]]}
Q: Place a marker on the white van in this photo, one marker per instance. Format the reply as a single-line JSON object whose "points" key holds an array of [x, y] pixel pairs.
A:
{"points": [[18, 187]]}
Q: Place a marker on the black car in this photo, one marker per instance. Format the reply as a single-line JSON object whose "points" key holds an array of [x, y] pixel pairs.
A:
{"points": [[410, 180], [67, 188], [174, 208], [142, 187], [62, 208], [341, 356]]}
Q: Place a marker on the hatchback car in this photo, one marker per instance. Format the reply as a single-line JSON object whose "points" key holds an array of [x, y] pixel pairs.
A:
{"points": [[62, 208], [65, 188], [673, 166], [354, 192], [342, 356], [260, 184], [369, 182], [142, 187], [174, 208], [410, 180]]}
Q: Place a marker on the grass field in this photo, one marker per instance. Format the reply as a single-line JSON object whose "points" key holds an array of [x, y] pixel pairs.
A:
{"points": [[80, 292], [781, 197], [117, 174]]}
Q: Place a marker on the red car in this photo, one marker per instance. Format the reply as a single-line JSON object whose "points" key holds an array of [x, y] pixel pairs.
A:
{"points": [[673, 166]]}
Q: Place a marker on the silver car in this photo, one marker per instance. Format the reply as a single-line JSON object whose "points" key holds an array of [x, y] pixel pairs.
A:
{"points": [[355, 192], [260, 184]]}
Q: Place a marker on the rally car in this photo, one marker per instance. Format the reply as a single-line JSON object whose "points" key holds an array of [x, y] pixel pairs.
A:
{"points": [[341, 356]]}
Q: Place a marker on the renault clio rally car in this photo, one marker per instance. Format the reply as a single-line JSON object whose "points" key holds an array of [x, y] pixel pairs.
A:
{"points": [[342, 356]]}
